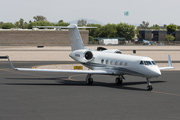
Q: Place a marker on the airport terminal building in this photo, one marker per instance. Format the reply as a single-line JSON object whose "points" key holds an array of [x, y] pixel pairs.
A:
{"points": [[157, 35]]}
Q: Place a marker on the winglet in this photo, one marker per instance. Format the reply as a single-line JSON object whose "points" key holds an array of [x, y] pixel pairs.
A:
{"points": [[169, 65], [169, 61], [10, 63]]}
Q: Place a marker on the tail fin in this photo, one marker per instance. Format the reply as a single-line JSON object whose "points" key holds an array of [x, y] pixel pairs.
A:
{"points": [[75, 37]]}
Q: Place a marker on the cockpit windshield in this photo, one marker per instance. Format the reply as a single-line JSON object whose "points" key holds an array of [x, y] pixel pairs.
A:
{"points": [[153, 63], [147, 63]]}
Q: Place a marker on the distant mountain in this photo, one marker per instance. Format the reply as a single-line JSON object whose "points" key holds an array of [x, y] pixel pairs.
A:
{"points": [[88, 21]]}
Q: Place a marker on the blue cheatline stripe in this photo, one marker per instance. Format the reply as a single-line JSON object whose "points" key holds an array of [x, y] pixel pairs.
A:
{"points": [[127, 71]]}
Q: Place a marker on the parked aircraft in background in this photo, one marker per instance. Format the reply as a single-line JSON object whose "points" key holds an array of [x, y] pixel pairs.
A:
{"points": [[105, 62]]}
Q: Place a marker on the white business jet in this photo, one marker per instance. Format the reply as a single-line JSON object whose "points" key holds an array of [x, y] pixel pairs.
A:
{"points": [[105, 62]]}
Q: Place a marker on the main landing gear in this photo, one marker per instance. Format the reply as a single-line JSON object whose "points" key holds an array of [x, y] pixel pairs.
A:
{"points": [[119, 80], [89, 79], [149, 87]]}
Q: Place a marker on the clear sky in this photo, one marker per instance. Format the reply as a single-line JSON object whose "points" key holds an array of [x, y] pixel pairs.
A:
{"points": [[106, 11]]}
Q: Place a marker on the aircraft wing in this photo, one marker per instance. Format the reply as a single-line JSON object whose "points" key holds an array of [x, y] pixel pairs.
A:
{"points": [[165, 68], [67, 71], [169, 65], [57, 70]]}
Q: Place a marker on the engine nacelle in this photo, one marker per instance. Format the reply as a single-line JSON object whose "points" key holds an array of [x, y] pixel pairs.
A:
{"points": [[101, 48], [113, 51], [82, 55]]}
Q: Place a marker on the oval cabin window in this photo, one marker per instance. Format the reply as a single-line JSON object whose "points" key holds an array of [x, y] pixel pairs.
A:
{"points": [[102, 61], [125, 64], [106, 61]]}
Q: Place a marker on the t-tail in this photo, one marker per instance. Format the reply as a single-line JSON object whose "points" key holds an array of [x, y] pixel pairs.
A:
{"points": [[75, 37]]}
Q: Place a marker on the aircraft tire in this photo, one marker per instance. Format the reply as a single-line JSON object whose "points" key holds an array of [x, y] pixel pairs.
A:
{"points": [[89, 81], [149, 88], [118, 81]]}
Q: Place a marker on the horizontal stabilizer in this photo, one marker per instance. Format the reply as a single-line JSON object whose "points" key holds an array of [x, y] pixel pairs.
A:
{"points": [[3, 57], [74, 35], [60, 27]]}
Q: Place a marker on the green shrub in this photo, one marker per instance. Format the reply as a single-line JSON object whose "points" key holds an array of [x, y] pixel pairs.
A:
{"points": [[171, 28], [8, 26]]}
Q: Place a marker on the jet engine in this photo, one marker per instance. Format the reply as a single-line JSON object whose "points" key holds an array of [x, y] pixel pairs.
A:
{"points": [[82, 55], [101, 48]]}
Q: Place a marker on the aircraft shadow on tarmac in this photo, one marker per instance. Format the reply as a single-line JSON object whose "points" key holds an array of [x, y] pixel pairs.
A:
{"points": [[63, 81]]}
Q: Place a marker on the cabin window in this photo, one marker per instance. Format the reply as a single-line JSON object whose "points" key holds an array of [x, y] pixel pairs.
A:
{"points": [[106, 61], [141, 63], [116, 62], [125, 64], [102, 61], [111, 62]]}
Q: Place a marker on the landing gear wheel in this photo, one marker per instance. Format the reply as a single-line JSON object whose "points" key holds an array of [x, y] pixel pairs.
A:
{"points": [[149, 87], [118, 81], [89, 81]]}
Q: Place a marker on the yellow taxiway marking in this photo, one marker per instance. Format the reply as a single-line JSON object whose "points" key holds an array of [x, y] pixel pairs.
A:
{"points": [[166, 93], [73, 76]]}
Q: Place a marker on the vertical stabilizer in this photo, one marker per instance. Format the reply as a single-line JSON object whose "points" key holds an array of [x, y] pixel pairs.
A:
{"points": [[75, 38]]}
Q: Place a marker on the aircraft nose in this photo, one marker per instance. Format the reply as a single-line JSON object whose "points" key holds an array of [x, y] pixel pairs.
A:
{"points": [[157, 72]]}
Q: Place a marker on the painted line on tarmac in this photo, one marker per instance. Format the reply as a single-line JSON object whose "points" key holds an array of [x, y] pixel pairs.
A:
{"points": [[70, 77], [166, 93]]}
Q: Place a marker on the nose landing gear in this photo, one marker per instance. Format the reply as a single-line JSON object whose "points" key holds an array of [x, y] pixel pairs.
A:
{"points": [[149, 87]]}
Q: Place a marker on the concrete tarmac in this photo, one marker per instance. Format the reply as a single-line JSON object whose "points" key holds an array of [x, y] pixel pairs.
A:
{"points": [[65, 96]]}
